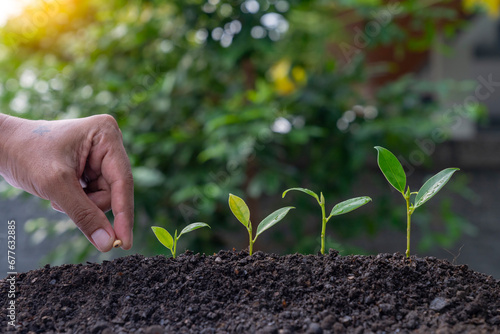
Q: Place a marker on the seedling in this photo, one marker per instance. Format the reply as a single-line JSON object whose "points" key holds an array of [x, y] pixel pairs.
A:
{"points": [[242, 213], [171, 243], [395, 175], [339, 209]]}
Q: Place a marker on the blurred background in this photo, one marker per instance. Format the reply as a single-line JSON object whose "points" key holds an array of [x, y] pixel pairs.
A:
{"points": [[252, 97]]}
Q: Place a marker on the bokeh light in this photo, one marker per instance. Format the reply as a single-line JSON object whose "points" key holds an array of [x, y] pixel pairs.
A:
{"points": [[10, 8]]}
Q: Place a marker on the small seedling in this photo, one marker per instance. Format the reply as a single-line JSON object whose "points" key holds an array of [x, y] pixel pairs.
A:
{"points": [[171, 243], [395, 175], [339, 209], [242, 213]]}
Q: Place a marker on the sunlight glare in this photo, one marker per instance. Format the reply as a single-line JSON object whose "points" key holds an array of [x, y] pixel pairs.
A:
{"points": [[10, 8]]}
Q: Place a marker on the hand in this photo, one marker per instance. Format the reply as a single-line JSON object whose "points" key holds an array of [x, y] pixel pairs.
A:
{"points": [[49, 158]]}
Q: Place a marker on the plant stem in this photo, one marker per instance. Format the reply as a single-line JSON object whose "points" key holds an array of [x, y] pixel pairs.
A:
{"points": [[250, 246], [176, 238], [323, 228], [408, 225]]}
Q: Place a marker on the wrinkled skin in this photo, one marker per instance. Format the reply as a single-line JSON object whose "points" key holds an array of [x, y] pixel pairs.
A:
{"points": [[49, 158]]}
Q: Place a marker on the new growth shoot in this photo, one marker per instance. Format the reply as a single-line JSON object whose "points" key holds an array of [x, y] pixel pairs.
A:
{"points": [[171, 242], [339, 209], [395, 175], [242, 213]]}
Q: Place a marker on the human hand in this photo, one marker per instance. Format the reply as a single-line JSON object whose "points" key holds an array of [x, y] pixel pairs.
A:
{"points": [[49, 158]]}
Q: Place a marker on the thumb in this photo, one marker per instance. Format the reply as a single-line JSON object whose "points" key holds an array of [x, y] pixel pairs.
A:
{"points": [[72, 200]]}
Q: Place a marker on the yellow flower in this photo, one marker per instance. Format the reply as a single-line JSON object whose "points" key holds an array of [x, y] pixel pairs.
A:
{"points": [[280, 70], [492, 7], [284, 86], [280, 76], [299, 74]]}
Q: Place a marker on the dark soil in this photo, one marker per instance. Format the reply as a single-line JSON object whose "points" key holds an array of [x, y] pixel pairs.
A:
{"points": [[231, 292]]}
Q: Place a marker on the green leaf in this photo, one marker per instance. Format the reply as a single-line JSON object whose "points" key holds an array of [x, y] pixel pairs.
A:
{"points": [[391, 168], [192, 227], [349, 205], [272, 219], [433, 185], [240, 209], [163, 236], [304, 190]]}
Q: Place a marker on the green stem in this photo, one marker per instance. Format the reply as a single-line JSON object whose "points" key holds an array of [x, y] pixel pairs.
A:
{"points": [[408, 226], [250, 247], [174, 246], [323, 228]]}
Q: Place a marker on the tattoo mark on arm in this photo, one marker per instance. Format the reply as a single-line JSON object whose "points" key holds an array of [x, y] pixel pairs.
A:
{"points": [[41, 130]]}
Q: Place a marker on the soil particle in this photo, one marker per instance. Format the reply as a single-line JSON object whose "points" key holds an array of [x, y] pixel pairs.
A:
{"points": [[231, 292], [314, 328], [439, 303]]}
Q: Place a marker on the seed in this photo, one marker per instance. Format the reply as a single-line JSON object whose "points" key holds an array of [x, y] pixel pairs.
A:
{"points": [[117, 243]]}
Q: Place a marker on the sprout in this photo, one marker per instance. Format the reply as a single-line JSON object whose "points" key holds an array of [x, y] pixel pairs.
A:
{"points": [[395, 175], [242, 213], [339, 209], [171, 243]]}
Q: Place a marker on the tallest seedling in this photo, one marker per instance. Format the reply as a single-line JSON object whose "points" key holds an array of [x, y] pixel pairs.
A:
{"points": [[395, 174]]}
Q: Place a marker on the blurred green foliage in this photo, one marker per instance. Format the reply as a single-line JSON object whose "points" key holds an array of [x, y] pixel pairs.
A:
{"points": [[249, 97]]}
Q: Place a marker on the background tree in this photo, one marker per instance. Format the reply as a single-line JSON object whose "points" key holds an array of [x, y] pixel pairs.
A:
{"points": [[249, 97]]}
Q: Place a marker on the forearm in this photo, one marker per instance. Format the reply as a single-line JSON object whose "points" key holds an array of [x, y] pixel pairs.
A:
{"points": [[4, 135], [8, 126]]}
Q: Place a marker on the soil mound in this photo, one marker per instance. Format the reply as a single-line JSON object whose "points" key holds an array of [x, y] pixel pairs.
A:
{"points": [[231, 292]]}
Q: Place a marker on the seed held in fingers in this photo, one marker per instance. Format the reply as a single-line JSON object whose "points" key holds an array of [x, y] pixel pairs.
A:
{"points": [[117, 243]]}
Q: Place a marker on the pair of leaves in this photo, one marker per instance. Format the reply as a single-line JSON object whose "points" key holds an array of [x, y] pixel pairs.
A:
{"points": [[240, 210], [339, 209], [395, 175], [166, 238]]}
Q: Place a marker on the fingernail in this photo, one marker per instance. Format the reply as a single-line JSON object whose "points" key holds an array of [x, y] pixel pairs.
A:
{"points": [[101, 239]]}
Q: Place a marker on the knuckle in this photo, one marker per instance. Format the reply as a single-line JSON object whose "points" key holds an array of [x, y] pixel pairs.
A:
{"points": [[109, 126], [109, 122], [84, 218], [55, 176]]}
